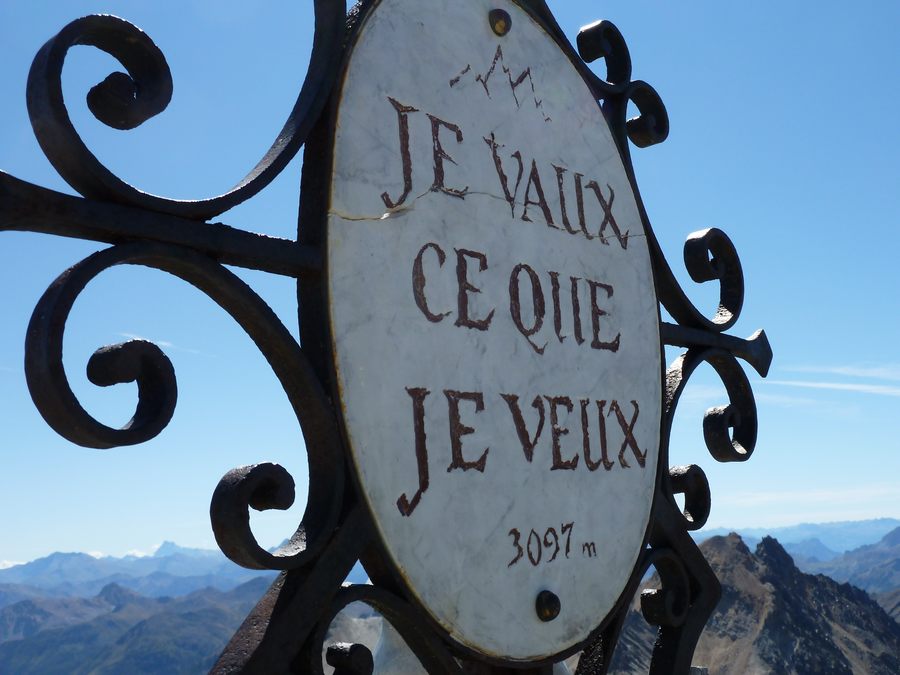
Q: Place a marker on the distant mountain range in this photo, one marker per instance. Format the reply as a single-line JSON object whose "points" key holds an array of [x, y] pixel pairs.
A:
{"points": [[828, 540], [171, 571], [874, 568], [173, 612], [119, 631]]}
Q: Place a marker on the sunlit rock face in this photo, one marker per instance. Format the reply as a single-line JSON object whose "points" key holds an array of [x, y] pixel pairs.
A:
{"points": [[772, 618]]}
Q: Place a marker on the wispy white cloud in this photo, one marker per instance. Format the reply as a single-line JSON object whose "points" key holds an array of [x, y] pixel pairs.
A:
{"points": [[158, 343], [700, 397], [164, 344], [6, 564], [803, 513], [703, 394], [785, 400], [862, 388], [136, 553], [851, 496], [788, 507], [882, 371], [821, 407], [96, 554]]}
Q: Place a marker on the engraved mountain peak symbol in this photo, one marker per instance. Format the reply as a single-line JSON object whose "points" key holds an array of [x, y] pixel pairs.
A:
{"points": [[516, 83]]}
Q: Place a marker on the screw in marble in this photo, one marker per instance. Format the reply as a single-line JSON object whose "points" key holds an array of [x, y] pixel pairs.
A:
{"points": [[500, 21], [547, 606]]}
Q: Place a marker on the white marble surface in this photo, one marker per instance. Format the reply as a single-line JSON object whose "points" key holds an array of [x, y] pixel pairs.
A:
{"points": [[457, 546]]}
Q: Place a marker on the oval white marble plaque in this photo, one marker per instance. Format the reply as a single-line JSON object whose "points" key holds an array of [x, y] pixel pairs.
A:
{"points": [[496, 329]]}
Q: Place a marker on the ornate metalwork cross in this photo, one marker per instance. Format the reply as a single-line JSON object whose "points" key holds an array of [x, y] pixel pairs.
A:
{"points": [[286, 632]]}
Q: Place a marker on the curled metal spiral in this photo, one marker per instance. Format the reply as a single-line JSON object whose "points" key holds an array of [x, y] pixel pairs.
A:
{"points": [[668, 605], [729, 431], [126, 100], [691, 482], [709, 255], [603, 40], [651, 126], [135, 361], [259, 487]]}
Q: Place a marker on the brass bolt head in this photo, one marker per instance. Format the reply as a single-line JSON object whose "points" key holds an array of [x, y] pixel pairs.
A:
{"points": [[500, 21], [547, 606]]}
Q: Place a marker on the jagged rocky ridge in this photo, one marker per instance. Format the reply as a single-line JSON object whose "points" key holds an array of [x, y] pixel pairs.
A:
{"points": [[874, 568], [773, 618], [119, 631]]}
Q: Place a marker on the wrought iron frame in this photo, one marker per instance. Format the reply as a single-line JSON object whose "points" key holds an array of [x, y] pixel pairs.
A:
{"points": [[286, 632]]}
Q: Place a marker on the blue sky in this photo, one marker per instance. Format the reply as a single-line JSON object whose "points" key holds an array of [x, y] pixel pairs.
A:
{"points": [[782, 135]]}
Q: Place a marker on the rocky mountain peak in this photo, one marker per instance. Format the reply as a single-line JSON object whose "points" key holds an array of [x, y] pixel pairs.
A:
{"points": [[773, 618], [730, 548], [772, 553], [117, 596], [799, 624], [776, 564]]}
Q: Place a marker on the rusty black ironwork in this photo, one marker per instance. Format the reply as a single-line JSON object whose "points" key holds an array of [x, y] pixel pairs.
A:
{"points": [[286, 632]]}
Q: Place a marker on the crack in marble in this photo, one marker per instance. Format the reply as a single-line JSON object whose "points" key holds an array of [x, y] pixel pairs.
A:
{"points": [[409, 206]]}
